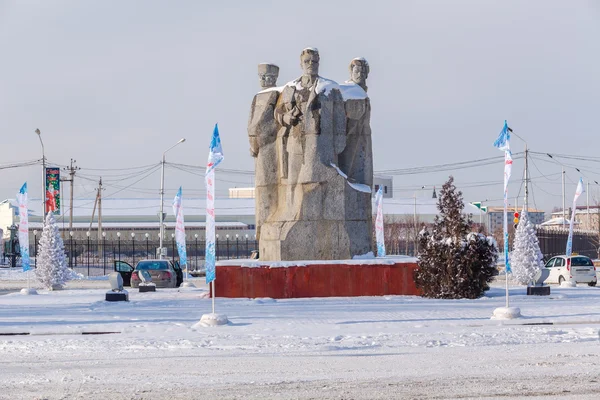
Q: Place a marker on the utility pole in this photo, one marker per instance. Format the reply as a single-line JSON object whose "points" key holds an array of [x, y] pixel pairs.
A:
{"points": [[100, 210], [563, 195], [72, 170]]}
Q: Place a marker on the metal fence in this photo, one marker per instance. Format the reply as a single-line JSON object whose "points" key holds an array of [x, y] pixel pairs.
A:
{"points": [[553, 242], [91, 257]]}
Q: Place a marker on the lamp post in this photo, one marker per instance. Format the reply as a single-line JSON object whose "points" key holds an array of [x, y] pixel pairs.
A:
{"points": [[147, 247], [71, 247], [104, 251], [88, 251], [133, 247], [119, 244], [162, 195], [196, 264], [35, 246], [37, 131], [173, 247]]}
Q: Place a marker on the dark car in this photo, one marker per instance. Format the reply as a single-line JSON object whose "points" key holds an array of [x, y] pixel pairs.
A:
{"points": [[164, 273]]}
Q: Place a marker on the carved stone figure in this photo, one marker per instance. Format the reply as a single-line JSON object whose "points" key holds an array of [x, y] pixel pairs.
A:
{"points": [[262, 133], [357, 158], [309, 222]]}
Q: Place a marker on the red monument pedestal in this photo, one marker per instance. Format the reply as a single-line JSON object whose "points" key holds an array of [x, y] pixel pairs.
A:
{"points": [[294, 279]]}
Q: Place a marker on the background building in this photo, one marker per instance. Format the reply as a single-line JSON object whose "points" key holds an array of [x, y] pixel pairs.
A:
{"points": [[495, 217]]}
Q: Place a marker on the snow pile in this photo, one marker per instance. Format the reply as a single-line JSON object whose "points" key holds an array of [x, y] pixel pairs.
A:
{"points": [[211, 320], [526, 257], [502, 313], [367, 256]]}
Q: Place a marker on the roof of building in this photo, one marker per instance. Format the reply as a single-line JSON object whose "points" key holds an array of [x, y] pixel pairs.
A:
{"points": [[511, 209]]}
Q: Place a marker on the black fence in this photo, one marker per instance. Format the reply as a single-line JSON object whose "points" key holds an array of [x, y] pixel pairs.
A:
{"points": [[553, 242], [91, 257]]}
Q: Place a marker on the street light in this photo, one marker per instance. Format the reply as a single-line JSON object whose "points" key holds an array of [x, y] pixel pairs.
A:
{"points": [[37, 131], [162, 195]]}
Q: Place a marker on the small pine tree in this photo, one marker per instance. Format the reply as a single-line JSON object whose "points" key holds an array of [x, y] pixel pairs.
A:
{"points": [[454, 262], [52, 270], [526, 258]]}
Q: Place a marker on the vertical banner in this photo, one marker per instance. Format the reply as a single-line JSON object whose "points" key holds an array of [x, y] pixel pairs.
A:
{"points": [[379, 223], [507, 172], [24, 227], [180, 229], [578, 192], [215, 156], [502, 143], [53, 191]]}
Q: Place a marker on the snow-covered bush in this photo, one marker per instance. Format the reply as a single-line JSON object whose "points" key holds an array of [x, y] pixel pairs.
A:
{"points": [[526, 258], [52, 270], [454, 262]]}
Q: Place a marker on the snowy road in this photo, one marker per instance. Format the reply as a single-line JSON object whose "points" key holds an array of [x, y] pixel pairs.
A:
{"points": [[393, 347]]}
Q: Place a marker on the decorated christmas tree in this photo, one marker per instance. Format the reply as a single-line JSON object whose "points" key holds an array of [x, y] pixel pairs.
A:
{"points": [[453, 261], [52, 270], [526, 258]]}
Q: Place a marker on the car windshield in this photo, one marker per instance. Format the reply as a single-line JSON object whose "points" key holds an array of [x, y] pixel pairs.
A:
{"points": [[152, 265], [581, 262]]}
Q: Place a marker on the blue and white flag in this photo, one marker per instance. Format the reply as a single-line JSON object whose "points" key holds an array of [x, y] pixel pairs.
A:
{"points": [[180, 229], [379, 223], [24, 227], [578, 192], [215, 156], [503, 141]]}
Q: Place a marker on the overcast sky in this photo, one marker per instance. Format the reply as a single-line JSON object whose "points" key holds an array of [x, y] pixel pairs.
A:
{"points": [[115, 83]]}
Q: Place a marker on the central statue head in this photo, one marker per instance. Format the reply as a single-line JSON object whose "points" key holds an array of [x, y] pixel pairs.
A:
{"points": [[309, 61]]}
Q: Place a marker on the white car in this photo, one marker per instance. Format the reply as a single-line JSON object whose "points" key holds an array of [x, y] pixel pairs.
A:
{"points": [[579, 269]]}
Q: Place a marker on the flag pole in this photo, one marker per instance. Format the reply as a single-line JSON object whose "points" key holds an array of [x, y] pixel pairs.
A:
{"points": [[215, 156], [212, 290]]}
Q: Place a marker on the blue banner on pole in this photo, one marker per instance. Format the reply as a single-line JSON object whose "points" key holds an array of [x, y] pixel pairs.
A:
{"points": [[215, 156], [24, 228], [180, 229]]}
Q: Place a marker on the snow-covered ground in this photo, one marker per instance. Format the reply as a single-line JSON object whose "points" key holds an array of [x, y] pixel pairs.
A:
{"points": [[392, 347]]}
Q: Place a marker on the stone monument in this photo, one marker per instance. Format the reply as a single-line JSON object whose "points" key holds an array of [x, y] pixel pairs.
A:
{"points": [[356, 161], [262, 133], [305, 210]]}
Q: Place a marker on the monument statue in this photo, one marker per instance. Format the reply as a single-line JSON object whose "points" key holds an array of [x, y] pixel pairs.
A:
{"points": [[305, 210], [262, 133], [357, 158]]}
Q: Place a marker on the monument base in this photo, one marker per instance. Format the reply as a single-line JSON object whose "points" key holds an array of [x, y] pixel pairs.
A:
{"points": [[28, 291], [297, 279], [507, 313], [212, 320], [117, 296], [147, 288], [538, 290]]}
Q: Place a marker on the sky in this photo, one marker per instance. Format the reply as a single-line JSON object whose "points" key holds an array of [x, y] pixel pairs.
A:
{"points": [[113, 84]]}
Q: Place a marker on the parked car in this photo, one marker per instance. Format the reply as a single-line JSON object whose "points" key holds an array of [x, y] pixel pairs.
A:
{"points": [[164, 273], [577, 268]]}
